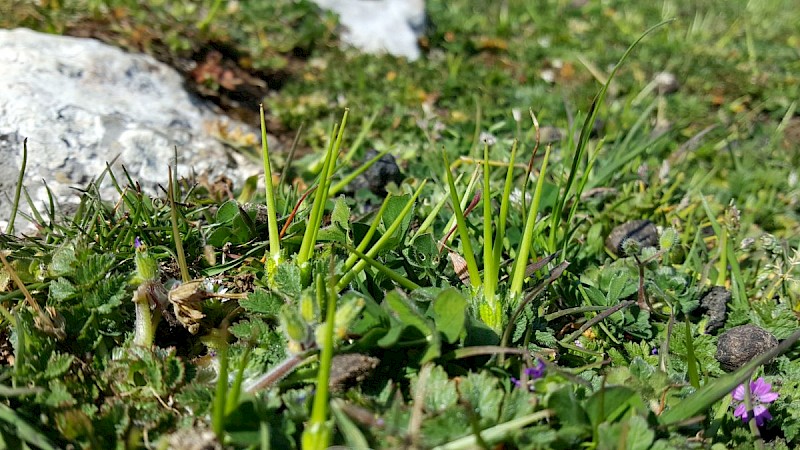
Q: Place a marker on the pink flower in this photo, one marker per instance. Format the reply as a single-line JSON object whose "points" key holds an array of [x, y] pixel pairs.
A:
{"points": [[760, 394]]}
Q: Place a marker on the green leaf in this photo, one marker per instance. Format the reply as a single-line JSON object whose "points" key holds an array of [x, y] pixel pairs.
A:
{"points": [[484, 396], [568, 409], [249, 328], [261, 301], [22, 430], [58, 365], [516, 404], [440, 392], [107, 295], [353, 437], [63, 260], [93, 269], [227, 212], [449, 314], [61, 289], [632, 434], [287, 279], [394, 208], [340, 216], [59, 396], [406, 312], [609, 403]]}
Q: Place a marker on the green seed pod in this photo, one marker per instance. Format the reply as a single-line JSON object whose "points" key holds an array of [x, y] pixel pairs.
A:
{"points": [[295, 327], [146, 265], [309, 310], [669, 237], [346, 313]]}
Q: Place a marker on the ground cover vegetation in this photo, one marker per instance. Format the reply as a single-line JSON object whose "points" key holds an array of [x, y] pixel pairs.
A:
{"points": [[477, 295]]}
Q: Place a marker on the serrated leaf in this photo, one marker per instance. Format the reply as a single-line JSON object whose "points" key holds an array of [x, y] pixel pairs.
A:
{"points": [[63, 261], [545, 338], [446, 427], [93, 269], [287, 279], [516, 404], [61, 289], [440, 392], [632, 434], [58, 395], [616, 287], [484, 396], [340, 216], [58, 364], [449, 314], [247, 329], [107, 295], [261, 301]]}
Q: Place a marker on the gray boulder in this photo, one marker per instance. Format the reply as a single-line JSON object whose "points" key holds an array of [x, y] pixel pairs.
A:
{"points": [[82, 103], [381, 26]]}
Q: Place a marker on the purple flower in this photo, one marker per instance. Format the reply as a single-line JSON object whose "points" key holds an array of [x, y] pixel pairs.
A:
{"points": [[137, 242], [537, 371], [532, 373], [761, 394]]}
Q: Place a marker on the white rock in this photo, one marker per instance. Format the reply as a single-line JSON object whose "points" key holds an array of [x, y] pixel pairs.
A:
{"points": [[381, 26], [82, 103]]}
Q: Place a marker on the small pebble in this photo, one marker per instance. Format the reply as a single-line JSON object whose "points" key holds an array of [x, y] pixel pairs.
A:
{"points": [[666, 83], [740, 344], [348, 369], [715, 304], [643, 231], [379, 175]]}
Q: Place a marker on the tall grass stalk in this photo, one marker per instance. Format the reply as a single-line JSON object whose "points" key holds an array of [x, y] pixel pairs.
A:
{"points": [[321, 196], [272, 220], [518, 272], [466, 245]]}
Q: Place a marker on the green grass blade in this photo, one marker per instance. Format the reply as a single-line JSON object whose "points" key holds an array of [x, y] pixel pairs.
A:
{"points": [[496, 433], [489, 266], [518, 275], [504, 206], [373, 227], [272, 220], [18, 188], [23, 430], [469, 255], [391, 274], [360, 265], [583, 138]]}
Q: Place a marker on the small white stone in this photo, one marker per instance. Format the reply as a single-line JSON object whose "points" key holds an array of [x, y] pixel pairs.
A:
{"points": [[381, 26]]}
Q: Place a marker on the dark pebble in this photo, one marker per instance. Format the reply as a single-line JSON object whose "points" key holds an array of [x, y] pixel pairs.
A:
{"points": [[740, 344], [643, 231], [349, 369], [379, 175], [715, 306]]}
